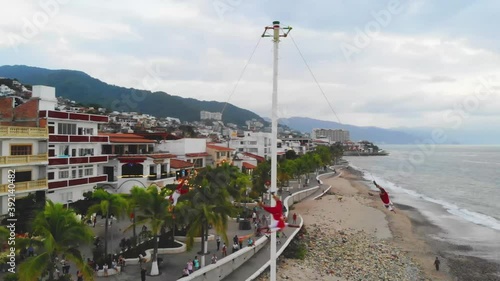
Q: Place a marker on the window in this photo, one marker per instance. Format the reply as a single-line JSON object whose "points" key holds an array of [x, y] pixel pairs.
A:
{"points": [[50, 175], [73, 174], [218, 155], [63, 174], [24, 149], [89, 170], [66, 129], [64, 149], [198, 162], [86, 151]]}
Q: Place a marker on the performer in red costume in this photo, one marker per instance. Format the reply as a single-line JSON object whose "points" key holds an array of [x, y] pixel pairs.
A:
{"points": [[178, 192], [385, 198], [277, 212]]}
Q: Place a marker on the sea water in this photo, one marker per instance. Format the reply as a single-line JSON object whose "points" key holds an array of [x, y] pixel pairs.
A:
{"points": [[456, 187]]}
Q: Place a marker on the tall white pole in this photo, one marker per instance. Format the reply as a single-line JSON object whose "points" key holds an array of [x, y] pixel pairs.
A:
{"points": [[274, 142]]}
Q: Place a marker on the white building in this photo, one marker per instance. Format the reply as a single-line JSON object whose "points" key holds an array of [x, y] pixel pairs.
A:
{"points": [[205, 115], [133, 162], [5, 90], [74, 149], [188, 149], [334, 135], [258, 143]]}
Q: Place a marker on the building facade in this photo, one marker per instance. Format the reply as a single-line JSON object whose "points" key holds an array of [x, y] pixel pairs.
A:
{"points": [[134, 162], [258, 143], [23, 151], [334, 135], [187, 149], [74, 149], [206, 115]]}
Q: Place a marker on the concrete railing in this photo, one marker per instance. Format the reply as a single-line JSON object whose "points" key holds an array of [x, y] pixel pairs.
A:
{"points": [[210, 237], [227, 265]]}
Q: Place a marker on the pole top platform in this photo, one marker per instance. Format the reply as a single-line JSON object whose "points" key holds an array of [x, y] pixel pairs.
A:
{"points": [[276, 22]]}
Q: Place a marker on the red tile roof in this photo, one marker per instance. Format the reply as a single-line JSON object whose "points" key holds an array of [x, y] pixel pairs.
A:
{"points": [[219, 148], [127, 138], [198, 154], [248, 166], [179, 164], [259, 158]]}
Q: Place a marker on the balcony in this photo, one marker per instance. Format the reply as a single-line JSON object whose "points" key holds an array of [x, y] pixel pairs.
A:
{"points": [[25, 186], [23, 132], [23, 159]]}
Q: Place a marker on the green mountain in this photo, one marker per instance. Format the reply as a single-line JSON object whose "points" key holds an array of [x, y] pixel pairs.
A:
{"points": [[82, 88]]}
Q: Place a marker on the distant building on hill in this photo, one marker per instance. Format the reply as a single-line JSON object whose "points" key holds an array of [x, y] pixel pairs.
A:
{"points": [[334, 135], [205, 115]]}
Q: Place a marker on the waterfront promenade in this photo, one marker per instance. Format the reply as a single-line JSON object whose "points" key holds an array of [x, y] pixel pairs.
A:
{"points": [[173, 264]]}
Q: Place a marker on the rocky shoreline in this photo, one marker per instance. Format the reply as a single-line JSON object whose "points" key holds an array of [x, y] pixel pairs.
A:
{"points": [[357, 255]]}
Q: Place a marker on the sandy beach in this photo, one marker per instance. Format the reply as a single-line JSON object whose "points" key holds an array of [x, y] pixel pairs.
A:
{"points": [[351, 236]]}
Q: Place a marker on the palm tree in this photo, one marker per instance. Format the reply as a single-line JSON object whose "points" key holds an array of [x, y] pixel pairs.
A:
{"points": [[209, 204], [131, 209], [154, 211], [109, 204], [61, 234]]}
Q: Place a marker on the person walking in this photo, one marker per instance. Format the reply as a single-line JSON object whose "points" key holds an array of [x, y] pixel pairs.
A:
{"points": [[384, 196], [218, 243], [294, 218], [224, 250], [437, 262]]}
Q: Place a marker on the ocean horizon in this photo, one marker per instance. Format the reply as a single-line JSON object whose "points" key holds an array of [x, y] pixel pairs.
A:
{"points": [[456, 187]]}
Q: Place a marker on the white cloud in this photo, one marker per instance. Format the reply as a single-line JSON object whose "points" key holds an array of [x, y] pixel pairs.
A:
{"points": [[400, 79]]}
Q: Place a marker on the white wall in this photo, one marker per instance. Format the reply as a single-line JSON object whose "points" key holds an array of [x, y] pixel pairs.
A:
{"points": [[75, 193], [47, 97], [183, 146]]}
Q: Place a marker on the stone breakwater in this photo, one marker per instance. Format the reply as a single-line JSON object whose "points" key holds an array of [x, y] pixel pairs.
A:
{"points": [[349, 255]]}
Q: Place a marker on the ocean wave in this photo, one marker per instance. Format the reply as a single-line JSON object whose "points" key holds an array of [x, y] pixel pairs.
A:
{"points": [[471, 216]]}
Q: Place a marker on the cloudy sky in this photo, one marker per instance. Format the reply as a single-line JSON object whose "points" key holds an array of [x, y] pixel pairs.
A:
{"points": [[408, 63]]}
